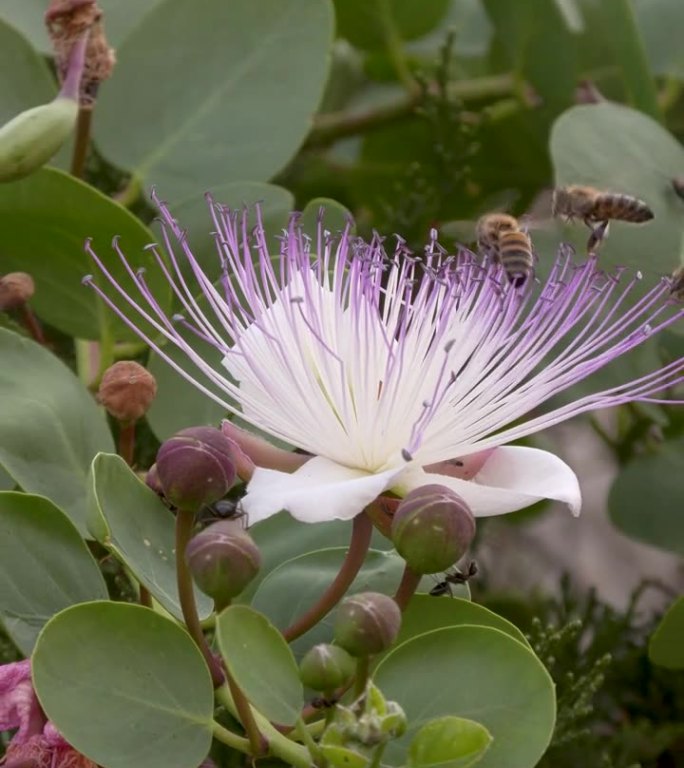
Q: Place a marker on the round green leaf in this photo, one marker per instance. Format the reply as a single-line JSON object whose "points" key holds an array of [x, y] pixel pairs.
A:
{"points": [[25, 80], [120, 17], [130, 520], [451, 742], [645, 501], [50, 426], [660, 23], [45, 220], [666, 648], [45, 566], [335, 218], [425, 613], [239, 118], [6, 481], [478, 673], [261, 662], [125, 686], [589, 145], [366, 23]]}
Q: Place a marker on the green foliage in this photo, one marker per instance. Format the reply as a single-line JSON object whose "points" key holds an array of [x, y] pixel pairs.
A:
{"points": [[62, 571], [452, 742], [142, 675], [666, 648]]}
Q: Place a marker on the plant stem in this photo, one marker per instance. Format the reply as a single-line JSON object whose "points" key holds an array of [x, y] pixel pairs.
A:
{"points": [[331, 127], [231, 739], [278, 745], [306, 738], [362, 672], [407, 587], [394, 46], [127, 441], [144, 596], [362, 528], [186, 594], [82, 141], [258, 743], [32, 325]]}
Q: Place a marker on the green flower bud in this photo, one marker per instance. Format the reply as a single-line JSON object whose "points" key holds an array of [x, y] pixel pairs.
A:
{"points": [[223, 559], [326, 667], [432, 528], [32, 137], [367, 623], [337, 749], [195, 467]]}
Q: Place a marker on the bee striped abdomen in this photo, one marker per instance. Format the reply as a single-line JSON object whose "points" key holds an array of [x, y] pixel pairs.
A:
{"points": [[515, 253], [621, 208]]}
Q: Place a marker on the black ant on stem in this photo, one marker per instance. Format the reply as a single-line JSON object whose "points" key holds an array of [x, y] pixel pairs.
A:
{"points": [[454, 577]]}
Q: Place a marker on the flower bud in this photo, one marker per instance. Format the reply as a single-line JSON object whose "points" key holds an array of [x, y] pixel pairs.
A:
{"points": [[326, 667], [16, 288], [195, 467], [432, 528], [223, 559], [367, 623], [127, 390], [152, 480], [32, 137]]}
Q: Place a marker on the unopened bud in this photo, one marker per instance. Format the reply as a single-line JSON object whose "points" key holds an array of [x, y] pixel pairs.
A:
{"points": [[127, 390], [432, 528], [152, 480], [367, 623], [223, 559], [195, 467], [32, 137], [326, 667], [16, 288]]}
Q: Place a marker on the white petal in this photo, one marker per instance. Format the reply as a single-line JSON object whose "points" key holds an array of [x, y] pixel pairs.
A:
{"points": [[320, 490], [512, 478]]}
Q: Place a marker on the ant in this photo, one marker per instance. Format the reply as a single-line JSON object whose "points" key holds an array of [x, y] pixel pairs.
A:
{"points": [[454, 577]]}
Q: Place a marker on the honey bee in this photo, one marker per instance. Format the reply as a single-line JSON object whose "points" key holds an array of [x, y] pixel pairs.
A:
{"points": [[597, 208], [677, 287], [454, 577], [500, 236]]}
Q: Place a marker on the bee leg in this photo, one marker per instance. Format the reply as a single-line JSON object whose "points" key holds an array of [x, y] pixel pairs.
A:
{"points": [[598, 232]]}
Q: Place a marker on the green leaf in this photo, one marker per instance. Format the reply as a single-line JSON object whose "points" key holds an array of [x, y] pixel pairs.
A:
{"points": [[660, 23], [125, 686], [367, 23], [261, 663], [630, 55], [238, 118], [25, 80], [477, 673], [44, 566], [645, 501], [6, 481], [132, 522], [666, 648], [120, 17], [45, 220], [50, 426], [306, 577], [425, 613], [452, 742]]}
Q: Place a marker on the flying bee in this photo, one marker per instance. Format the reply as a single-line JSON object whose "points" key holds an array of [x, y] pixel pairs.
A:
{"points": [[677, 287], [454, 577], [597, 208], [500, 236]]}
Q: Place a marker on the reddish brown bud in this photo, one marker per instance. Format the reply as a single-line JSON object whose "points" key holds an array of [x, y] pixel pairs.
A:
{"points": [[16, 288], [432, 528], [223, 559], [367, 623], [326, 667], [195, 467], [127, 390]]}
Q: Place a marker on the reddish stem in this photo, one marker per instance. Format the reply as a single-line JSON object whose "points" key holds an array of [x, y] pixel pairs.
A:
{"points": [[407, 587], [32, 325], [127, 441]]}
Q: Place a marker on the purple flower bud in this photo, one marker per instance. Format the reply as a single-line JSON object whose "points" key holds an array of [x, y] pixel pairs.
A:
{"points": [[223, 559], [432, 528], [326, 667], [152, 480], [195, 467], [367, 623], [127, 390]]}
